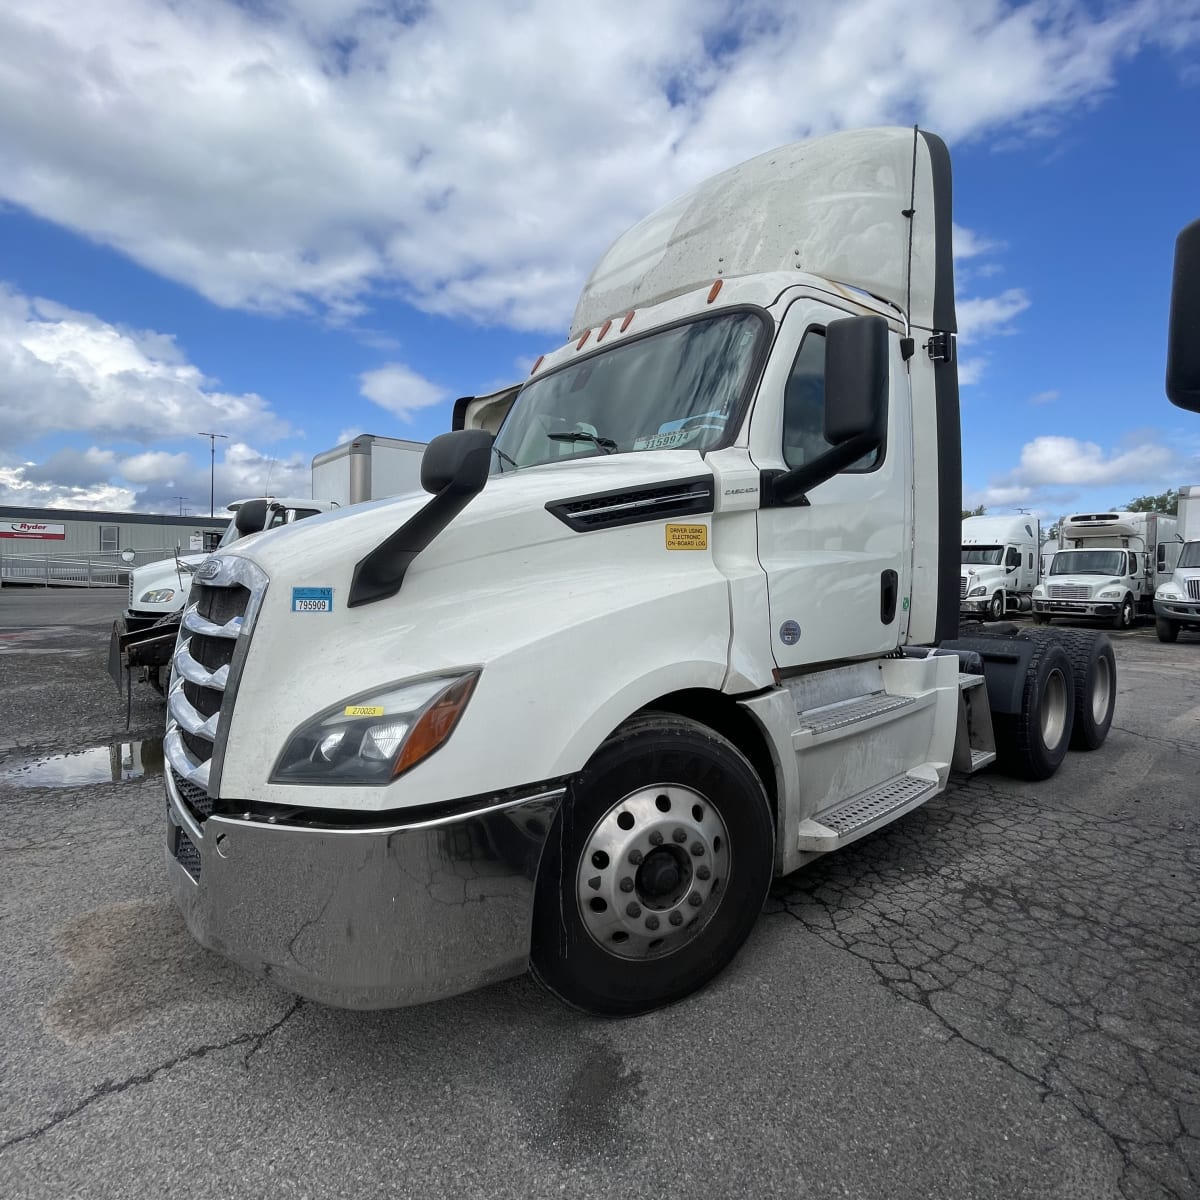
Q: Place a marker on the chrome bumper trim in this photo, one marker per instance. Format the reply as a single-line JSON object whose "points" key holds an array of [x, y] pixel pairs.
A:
{"points": [[378, 917]]}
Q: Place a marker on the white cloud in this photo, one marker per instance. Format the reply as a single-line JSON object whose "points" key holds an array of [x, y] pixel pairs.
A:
{"points": [[988, 316], [400, 390], [1047, 397], [477, 158], [67, 370], [968, 244]]}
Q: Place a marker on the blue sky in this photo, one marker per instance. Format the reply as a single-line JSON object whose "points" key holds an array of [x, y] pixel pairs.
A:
{"points": [[295, 222]]}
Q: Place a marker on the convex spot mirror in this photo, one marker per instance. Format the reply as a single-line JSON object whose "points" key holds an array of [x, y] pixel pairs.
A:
{"points": [[251, 517], [460, 460]]}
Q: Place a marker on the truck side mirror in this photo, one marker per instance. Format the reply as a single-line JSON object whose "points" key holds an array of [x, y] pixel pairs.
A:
{"points": [[251, 517], [1183, 330], [856, 380], [461, 459]]}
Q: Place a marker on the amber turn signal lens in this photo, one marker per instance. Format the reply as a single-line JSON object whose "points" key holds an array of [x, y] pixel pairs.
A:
{"points": [[435, 724]]}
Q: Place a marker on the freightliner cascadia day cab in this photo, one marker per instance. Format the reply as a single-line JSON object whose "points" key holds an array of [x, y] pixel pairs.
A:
{"points": [[1000, 564], [687, 622], [1108, 566]]}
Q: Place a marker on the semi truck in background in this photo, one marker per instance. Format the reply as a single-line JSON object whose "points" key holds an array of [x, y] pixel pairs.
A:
{"points": [[680, 613], [1177, 599], [368, 467], [1108, 566], [143, 637], [1000, 565]]}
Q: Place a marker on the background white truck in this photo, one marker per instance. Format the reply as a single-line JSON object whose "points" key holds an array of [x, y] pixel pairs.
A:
{"points": [[368, 467], [688, 621], [1000, 564], [1108, 567], [1177, 599]]}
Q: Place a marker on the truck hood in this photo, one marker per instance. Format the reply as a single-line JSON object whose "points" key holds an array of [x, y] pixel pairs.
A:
{"points": [[507, 516], [1096, 582], [165, 573]]}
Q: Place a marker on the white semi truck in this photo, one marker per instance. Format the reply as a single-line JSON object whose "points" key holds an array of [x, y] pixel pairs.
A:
{"points": [[368, 467], [1108, 567], [1177, 599], [688, 621], [1000, 565]]}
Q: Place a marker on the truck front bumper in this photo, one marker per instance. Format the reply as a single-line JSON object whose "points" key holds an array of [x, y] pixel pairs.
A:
{"points": [[1076, 608], [364, 917], [1185, 611]]}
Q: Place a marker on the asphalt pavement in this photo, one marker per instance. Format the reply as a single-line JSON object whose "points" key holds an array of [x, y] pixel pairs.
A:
{"points": [[997, 996]]}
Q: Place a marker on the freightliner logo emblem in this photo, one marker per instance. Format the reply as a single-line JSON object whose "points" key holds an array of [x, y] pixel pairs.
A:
{"points": [[208, 568]]}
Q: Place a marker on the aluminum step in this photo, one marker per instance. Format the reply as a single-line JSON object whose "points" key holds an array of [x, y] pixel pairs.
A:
{"points": [[819, 721], [852, 818]]}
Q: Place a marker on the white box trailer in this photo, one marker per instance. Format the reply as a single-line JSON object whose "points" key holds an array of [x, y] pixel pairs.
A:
{"points": [[687, 620], [368, 467], [1001, 564]]}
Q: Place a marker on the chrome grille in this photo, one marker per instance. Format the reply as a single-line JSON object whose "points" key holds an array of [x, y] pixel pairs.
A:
{"points": [[1193, 589], [962, 587], [213, 637], [1068, 591]]}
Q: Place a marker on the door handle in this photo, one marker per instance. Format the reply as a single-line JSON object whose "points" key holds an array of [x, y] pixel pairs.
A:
{"points": [[889, 587]]}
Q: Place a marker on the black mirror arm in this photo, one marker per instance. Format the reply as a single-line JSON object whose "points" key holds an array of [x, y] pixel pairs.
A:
{"points": [[379, 574], [790, 486]]}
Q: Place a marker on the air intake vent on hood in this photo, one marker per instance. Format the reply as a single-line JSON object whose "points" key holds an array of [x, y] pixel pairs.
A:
{"points": [[605, 510]]}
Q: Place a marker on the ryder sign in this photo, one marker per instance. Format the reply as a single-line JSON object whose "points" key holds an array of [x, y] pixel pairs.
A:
{"points": [[35, 530]]}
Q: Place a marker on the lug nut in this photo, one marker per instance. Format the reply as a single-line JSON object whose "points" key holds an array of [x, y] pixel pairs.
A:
{"points": [[695, 900], [651, 922], [627, 884], [680, 835], [656, 838], [697, 850], [635, 857], [702, 872], [676, 918], [633, 909]]}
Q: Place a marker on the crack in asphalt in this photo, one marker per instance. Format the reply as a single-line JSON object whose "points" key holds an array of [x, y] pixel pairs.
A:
{"points": [[1062, 945], [109, 1088]]}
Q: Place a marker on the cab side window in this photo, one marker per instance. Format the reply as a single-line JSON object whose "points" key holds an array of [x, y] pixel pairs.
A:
{"points": [[1012, 557], [804, 407]]}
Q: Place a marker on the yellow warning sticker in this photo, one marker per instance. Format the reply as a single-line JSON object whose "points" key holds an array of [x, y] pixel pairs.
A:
{"points": [[363, 710], [687, 537]]}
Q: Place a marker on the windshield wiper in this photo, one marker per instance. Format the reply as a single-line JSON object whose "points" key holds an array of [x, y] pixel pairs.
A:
{"points": [[504, 458], [605, 444]]}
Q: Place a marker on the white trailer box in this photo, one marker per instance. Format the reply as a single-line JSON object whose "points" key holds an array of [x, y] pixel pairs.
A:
{"points": [[370, 467], [1000, 564], [1187, 518]]}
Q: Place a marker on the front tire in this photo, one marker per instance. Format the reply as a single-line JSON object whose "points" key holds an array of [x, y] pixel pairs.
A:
{"points": [[1168, 631], [996, 607], [655, 871], [1031, 744], [1124, 618]]}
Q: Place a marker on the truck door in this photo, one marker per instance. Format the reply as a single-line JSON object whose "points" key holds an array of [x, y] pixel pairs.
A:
{"points": [[838, 568]]}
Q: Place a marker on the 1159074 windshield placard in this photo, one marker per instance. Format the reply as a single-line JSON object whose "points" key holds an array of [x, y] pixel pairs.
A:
{"points": [[312, 599]]}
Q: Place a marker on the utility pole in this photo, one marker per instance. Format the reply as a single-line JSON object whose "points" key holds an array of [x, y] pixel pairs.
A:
{"points": [[212, 469], [181, 499]]}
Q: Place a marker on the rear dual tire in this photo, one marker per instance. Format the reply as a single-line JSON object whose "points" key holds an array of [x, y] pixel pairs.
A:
{"points": [[1032, 743]]}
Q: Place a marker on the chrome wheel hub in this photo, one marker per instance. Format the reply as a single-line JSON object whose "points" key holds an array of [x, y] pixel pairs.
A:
{"points": [[653, 871]]}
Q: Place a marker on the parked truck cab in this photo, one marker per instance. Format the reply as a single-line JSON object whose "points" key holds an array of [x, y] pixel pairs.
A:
{"points": [[1000, 564], [686, 621]]}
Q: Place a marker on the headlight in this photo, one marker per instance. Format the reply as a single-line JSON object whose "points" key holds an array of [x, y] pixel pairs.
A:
{"points": [[373, 738], [1110, 594], [978, 590], [1168, 591], [1039, 591], [157, 596]]}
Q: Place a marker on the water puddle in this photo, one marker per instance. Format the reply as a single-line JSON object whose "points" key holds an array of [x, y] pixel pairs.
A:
{"points": [[116, 763]]}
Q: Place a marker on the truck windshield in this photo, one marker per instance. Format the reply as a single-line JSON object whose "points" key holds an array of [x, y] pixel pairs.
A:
{"points": [[1088, 562], [676, 389], [1189, 556], [985, 556]]}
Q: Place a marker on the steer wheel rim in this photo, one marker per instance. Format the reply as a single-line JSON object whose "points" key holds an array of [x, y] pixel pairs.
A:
{"points": [[1054, 710], [1101, 691], [652, 872]]}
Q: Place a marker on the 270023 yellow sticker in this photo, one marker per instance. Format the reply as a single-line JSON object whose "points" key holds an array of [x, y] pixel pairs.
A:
{"points": [[687, 537], [363, 710]]}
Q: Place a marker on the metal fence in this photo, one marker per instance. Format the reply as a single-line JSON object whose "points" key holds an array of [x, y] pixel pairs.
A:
{"points": [[61, 570]]}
